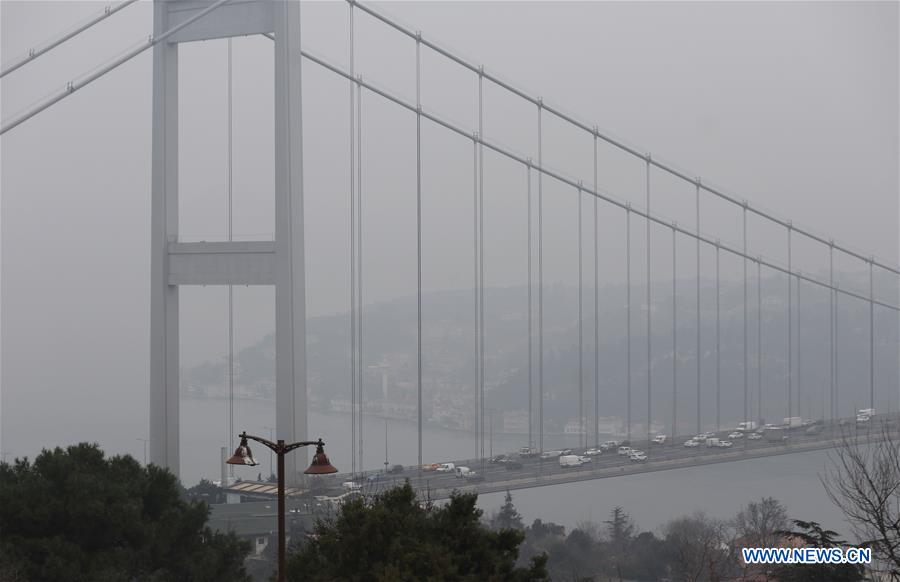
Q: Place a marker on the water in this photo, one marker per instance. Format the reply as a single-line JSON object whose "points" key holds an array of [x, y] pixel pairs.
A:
{"points": [[653, 499]]}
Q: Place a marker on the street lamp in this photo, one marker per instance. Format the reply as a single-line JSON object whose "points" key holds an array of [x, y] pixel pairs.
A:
{"points": [[319, 466]]}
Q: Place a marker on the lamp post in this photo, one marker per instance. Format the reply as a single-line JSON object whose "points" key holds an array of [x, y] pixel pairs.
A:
{"points": [[319, 466]]}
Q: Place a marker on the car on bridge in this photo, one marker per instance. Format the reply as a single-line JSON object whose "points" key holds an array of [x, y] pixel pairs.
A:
{"points": [[724, 444], [736, 435], [754, 436], [638, 456], [691, 443], [551, 454], [445, 468], [464, 472], [593, 452], [609, 445], [623, 450], [659, 439]]}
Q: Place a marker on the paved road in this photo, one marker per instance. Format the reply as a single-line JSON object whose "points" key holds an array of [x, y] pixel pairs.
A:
{"points": [[538, 472]]}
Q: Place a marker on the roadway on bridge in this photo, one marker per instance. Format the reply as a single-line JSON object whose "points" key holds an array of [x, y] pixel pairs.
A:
{"points": [[538, 472]]}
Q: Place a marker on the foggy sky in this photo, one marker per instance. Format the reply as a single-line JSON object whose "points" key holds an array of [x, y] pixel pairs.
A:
{"points": [[790, 105]]}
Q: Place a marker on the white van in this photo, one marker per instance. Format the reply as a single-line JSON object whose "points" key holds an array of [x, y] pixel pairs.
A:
{"points": [[570, 461], [445, 468]]}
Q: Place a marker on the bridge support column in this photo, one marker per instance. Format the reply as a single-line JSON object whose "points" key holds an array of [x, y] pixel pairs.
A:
{"points": [[290, 269], [253, 263], [164, 381]]}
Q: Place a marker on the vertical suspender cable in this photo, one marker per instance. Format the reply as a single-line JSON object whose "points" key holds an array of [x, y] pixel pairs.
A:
{"points": [[540, 280], [698, 305], [759, 359], [596, 311], [476, 299], [718, 345], [649, 352], [581, 429], [790, 338], [831, 326], [799, 354], [744, 261], [628, 321], [837, 351], [871, 334], [359, 262], [481, 258], [530, 317], [674, 336], [419, 242], [230, 147], [354, 411]]}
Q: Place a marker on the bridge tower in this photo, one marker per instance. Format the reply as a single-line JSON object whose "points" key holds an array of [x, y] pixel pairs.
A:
{"points": [[279, 263]]}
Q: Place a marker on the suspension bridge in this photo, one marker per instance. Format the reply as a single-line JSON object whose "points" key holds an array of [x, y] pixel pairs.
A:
{"points": [[650, 396]]}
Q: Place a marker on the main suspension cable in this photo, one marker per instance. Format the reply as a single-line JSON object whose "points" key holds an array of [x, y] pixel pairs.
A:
{"points": [[34, 53], [77, 84]]}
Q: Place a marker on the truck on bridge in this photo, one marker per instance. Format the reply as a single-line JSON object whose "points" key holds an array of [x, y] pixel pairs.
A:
{"points": [[793, 422]]}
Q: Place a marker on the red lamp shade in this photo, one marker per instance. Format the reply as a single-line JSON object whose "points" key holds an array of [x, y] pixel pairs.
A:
{"points": [[242, 455], [320, 464]]}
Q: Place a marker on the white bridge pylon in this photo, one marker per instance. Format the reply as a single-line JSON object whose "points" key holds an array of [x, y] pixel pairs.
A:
{"points": [[175, 263]]}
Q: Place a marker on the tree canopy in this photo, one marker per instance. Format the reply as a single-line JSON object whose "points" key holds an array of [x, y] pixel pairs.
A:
{"points": [[508, 517], [76, 515], [392, 536]]}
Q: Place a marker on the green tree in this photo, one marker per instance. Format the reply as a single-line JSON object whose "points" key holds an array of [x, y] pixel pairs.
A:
{"points": [[647, 559], [391, 536], [619, 527], [619, 531], [508, 517], [206, 491], [812, 535], [76, 515]]}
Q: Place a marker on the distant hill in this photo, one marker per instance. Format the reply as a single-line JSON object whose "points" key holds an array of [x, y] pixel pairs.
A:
{"points": [[449, 351]]}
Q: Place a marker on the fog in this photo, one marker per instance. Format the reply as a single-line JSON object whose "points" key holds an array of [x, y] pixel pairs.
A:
{"points": [[792, 106]]}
